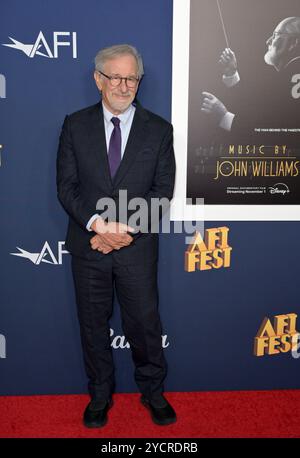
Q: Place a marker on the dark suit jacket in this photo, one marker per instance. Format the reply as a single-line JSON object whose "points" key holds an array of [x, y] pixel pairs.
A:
{"points": [[147, 170]]}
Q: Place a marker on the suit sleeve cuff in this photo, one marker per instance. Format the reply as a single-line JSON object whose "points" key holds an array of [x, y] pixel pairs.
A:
{"points": [[90, 222], [227, 120], [231, 81]]}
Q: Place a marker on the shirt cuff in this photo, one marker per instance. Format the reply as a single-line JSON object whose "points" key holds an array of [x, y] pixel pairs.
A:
{"points": [[231, 81], [227, 120], [91, 220]]}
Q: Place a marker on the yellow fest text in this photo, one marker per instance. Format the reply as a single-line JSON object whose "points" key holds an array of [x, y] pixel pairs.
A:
{"points": [[277, 338], [211, 253]]}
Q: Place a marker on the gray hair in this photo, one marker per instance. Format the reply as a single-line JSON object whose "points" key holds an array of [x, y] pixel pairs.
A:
{"points": [[112, 52], [292, 25]]}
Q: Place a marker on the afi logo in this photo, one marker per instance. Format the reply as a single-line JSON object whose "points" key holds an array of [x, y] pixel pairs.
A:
{"points": [[2, 346], [46, 255], [42, 48], [2, 87]]}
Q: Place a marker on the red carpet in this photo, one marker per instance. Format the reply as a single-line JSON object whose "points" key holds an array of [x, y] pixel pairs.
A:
{"points": [[201, 414]]}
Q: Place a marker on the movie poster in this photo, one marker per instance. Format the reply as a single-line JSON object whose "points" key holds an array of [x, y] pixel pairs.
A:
{"points": [[243, 130]]}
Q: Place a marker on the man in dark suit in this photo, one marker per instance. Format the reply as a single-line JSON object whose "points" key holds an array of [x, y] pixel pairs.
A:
{"points": [[111, 146]]}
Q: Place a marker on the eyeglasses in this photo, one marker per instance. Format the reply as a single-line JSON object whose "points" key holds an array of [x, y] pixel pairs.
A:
{"points": [[282, 34], [130, 81]]}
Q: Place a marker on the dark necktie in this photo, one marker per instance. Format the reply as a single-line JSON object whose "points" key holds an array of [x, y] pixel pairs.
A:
{"points": [[114, 150]]}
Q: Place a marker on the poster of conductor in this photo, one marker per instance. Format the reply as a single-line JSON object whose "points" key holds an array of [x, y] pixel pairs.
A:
{"points": [[243, 102]]}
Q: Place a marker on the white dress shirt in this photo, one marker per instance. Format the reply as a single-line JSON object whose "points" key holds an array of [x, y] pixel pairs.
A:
{"points": [[126, 119], [227, 120]]}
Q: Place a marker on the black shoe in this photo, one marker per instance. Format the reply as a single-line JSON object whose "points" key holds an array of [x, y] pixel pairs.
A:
{"points": [[162, 412], [95, 414]]}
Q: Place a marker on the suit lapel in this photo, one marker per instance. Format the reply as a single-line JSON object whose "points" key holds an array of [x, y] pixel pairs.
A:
{"points": [[98, 143], [134, 143]]}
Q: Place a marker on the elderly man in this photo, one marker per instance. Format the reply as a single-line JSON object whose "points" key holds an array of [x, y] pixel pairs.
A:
{"points": [[283, 54], [284, 44], [111, 146]]}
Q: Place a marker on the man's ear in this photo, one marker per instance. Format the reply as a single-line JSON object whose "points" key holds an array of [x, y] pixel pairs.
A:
{"points": [[294, 44], [98, 80]]}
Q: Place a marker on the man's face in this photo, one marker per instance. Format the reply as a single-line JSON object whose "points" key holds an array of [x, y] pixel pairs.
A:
{"points": [[278, 45], [117, 99]]}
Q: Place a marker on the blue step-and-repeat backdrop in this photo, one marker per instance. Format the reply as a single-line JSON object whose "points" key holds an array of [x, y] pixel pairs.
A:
{"points": [[230, 324]]}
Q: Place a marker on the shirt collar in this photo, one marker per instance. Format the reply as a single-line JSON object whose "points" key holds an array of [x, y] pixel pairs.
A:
{"points": [[292, 60], [124, 117]]}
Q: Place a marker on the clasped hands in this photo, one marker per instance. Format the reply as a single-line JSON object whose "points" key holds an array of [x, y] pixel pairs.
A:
{"points": [[110, 236]]}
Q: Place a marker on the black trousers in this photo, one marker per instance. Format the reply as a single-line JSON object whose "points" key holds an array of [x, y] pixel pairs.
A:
{"points": [[137, 293]]}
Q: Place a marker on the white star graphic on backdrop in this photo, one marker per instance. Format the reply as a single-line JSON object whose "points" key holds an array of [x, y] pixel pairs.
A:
{"points": [[27, 49], [33, 257]]}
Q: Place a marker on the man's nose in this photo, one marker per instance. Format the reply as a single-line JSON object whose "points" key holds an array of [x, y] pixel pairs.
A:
{"points": [[123, 86]]}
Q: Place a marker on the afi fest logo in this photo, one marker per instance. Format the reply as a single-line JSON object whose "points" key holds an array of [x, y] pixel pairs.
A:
{"points": [[2, 346], [278, 338], [41, 47], [213, 252], [2, 87], [45, 255]]}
